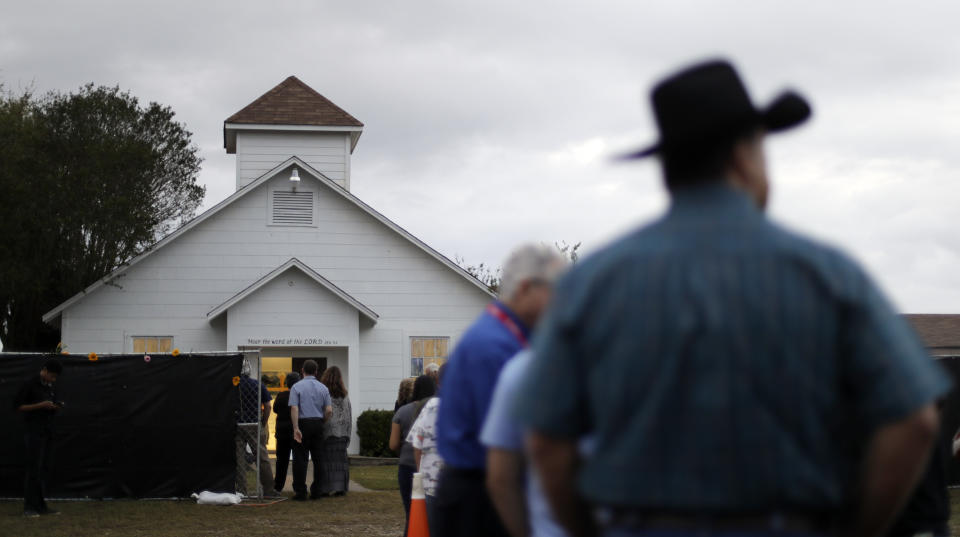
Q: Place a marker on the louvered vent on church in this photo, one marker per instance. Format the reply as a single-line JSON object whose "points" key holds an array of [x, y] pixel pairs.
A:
{"points": [[292, 208]]}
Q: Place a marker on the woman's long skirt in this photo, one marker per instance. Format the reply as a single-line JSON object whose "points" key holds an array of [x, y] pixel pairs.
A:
{"points": [[335, 469]]}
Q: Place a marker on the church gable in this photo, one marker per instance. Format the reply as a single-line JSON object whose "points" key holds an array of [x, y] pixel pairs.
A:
{"points": [[293, 268], [293, 306], [238, 241]]}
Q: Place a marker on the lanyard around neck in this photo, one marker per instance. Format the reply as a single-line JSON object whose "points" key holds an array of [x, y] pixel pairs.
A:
{"points": [[507, 322]]}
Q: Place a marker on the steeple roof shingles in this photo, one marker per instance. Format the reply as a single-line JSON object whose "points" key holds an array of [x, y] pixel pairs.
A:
{"points": [[292, 102]]}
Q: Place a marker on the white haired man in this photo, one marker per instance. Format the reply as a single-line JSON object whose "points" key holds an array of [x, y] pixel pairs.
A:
{"points": [[433, 371], [463, 505]]}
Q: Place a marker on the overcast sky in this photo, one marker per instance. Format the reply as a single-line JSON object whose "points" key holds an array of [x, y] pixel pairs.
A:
{"points": [[491, 123]]}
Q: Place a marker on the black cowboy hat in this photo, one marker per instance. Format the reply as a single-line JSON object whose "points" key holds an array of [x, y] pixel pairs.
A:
{"points": [[707, 104]]}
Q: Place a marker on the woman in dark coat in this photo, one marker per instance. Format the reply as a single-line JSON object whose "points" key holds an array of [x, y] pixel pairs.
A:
{"points": [[283, 431], [335, 468]]}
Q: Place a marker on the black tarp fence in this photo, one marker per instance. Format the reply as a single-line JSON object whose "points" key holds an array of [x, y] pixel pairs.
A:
{"points": [[130, 427]]}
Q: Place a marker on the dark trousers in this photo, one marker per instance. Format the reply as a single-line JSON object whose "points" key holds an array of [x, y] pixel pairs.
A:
{"points": [[284, 436], [463, 507], [311, 444], [248, 438], [405, 480], [431, 502], [37, 461]]}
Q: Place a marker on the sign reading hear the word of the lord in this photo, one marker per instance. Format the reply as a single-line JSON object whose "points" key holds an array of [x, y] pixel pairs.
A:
{"points": [[291, 341]]}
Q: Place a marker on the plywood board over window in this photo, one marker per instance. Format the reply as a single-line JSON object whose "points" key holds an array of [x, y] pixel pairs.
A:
{"points": [[426, 350], [148, 344]]}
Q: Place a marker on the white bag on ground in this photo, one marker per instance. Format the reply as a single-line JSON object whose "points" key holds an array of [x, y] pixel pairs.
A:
{"points": [[217, 498]]}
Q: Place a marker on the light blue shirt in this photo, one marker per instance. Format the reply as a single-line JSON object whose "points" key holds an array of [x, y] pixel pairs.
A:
{"points": [[311, 396], [501, 430]]}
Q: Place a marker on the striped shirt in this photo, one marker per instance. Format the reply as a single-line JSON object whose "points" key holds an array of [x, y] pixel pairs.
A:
{"points": [[723, 364]]}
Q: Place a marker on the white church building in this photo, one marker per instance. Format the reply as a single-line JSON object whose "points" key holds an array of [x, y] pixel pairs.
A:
{"points": [[291, 264]]}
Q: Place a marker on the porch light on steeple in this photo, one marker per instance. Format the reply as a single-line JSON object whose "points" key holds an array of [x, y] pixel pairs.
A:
{"points": [[294, 178]]}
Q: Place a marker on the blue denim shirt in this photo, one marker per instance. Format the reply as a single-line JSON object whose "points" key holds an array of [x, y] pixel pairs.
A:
{"points": [[249, 409], [468, 382], [723, 364]]}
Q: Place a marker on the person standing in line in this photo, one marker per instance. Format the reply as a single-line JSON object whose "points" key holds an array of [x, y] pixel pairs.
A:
{"points": [[335, 470], [247, 436], [735, 377], [310, 406], [423, 390], [513, 485], [404, 393], [463, 504], [283, 431], [433, 371], [423, 438], [38, 404]]}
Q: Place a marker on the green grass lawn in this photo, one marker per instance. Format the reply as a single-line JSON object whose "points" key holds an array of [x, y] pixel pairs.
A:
{"points": [[374, 514], [375, 477], [357, 513]]}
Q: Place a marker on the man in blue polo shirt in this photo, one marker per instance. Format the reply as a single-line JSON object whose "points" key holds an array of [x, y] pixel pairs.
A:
{"points": [[463, 505], [310, 406]]}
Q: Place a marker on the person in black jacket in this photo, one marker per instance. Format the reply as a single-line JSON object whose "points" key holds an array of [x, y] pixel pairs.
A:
{"points": [[38, 404], [283, 431]]}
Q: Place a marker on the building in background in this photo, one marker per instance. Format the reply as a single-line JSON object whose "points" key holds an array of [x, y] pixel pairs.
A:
{"points": [[940, 332], [291, 264]]}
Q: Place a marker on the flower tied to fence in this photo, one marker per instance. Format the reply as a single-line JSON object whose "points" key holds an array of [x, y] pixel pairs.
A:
{"points": [[176, 352], [236, 381], [93, 357]]}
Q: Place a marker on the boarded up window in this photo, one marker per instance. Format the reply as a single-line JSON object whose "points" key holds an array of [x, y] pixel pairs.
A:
{"points": [[147, 344], [292, 208], [425, 351]]}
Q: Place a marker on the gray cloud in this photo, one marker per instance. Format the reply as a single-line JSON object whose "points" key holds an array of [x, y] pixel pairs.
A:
{"points": [[490, 123]]}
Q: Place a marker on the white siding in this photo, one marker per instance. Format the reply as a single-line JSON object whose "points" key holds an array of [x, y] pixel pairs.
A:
{"points": [[292, 305], [172, 290], [260, 151]]}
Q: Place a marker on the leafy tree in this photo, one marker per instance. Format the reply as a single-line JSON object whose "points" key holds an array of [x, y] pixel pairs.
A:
{"points": [[491, 277], [488, 276], [87, 180], [570, 251]]}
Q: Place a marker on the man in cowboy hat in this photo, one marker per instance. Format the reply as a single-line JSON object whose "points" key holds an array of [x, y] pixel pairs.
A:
{"points": [[736, 377]]}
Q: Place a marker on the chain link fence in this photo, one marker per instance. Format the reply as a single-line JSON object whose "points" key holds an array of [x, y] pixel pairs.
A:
{"points": [[253, 468]]}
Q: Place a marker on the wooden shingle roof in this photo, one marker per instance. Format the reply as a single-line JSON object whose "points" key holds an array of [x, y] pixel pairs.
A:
{"points": [[939, 332], [292, 102]]}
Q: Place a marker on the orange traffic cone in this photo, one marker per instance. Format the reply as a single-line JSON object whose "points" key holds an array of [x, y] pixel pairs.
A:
{"points": [[418, 509]]}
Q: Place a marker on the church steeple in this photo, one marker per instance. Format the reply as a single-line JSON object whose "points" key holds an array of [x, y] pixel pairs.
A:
{"points": [[292, 119]]}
